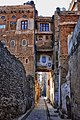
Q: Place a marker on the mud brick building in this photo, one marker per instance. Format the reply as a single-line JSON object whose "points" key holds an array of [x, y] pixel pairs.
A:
{"points": [[64, 24], [41, 44], [17, 33], [44, 50]]}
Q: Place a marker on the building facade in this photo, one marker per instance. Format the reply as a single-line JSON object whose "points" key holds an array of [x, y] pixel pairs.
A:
{"points": [[64, 22], [44, 51], [17, 33], [41, 44], [74, 70]]}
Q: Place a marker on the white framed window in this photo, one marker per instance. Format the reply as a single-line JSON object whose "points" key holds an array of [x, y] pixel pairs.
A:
{"points": [[2, 26], [44, 27], [12, 43], [43, 59], [24, 42], [24, 25]]}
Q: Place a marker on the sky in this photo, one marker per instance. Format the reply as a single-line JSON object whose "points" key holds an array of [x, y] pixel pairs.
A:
{"points": [[44, 7]]}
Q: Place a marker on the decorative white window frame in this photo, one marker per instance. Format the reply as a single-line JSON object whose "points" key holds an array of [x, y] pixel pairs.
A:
{"points": [[26, 43], [12, 46], [48, 60]]}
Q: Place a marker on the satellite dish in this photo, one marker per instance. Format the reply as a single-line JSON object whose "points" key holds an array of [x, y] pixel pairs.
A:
{"points": [[63, 9]]}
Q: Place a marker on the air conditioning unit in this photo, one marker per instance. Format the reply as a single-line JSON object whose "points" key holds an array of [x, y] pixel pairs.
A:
{"points": [[49, 65]]}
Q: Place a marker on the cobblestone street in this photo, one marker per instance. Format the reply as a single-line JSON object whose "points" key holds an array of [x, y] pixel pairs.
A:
{"points": [[39, 112]]}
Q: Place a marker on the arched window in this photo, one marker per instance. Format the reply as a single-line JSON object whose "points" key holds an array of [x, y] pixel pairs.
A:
{"points": [[24, 16], [24, 42], [43, 59], [2, 17], [12, 43], [13, 17]]}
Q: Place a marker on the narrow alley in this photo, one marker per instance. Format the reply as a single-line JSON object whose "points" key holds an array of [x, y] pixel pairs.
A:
{"points": [[40, 112], [39, 62]]}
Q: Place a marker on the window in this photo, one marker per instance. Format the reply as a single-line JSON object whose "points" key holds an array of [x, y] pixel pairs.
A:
{"points": [[2, 26], [13, 17], [24, 25], [44, 27], [3, 42], [43, 59], [27, 60], [13, 25], [24, 16], [24, 42], [2, 17], [12, 43]]}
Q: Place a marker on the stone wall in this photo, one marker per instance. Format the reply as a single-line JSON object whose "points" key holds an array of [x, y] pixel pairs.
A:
{"points": [[74, 68], [15, 93]]}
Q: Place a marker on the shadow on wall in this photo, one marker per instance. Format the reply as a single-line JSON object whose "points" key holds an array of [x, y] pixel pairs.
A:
{"points": [[16, 91]]}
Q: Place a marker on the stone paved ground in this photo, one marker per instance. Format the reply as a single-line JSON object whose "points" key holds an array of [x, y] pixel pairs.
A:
{"points": [[53, 114], [39, 112]]}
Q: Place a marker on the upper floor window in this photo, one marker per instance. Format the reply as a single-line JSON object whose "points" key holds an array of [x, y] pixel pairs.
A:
{"points": [[2, 26], [44, 27], [2, 17], [12, 43], [24, 25], [43, 59], [13, 25], [24, 42], [13, 17], [24, 16]]}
